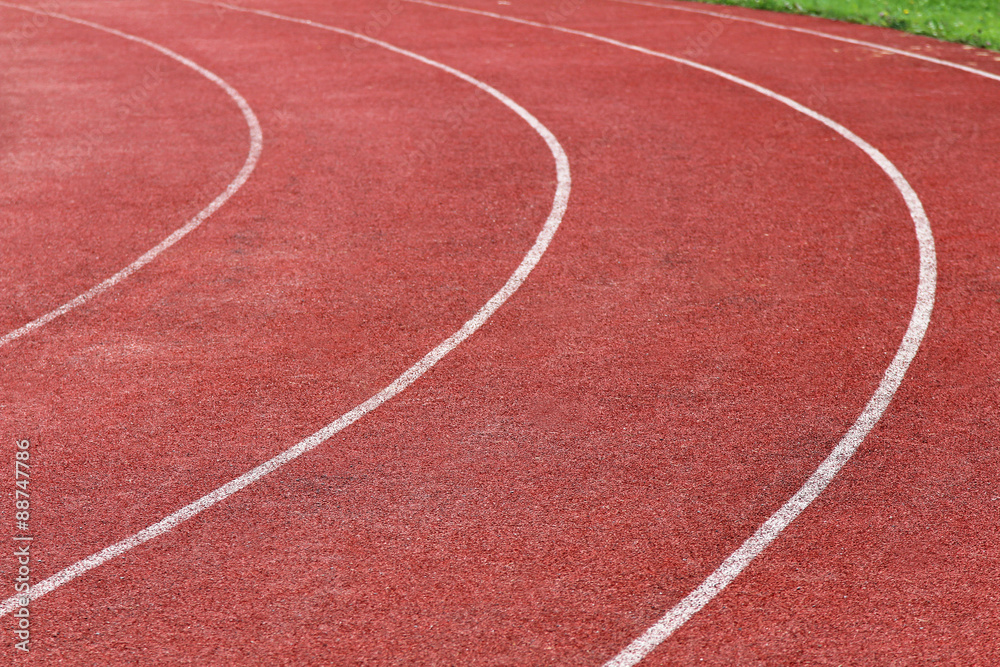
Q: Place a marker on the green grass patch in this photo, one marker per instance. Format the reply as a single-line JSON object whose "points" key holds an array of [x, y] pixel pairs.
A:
{"points": [[975, 22]]}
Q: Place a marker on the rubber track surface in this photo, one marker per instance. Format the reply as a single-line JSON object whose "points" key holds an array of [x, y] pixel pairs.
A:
{"points": [[727, 287]]}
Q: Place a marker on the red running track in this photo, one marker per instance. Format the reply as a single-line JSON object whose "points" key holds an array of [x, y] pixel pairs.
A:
{"points": [[728, 285]]}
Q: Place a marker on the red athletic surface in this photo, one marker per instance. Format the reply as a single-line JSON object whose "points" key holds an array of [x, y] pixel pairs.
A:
{"points": [[728, 285]]}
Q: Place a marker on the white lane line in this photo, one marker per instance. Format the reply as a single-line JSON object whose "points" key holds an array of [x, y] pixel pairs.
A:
{"points": [[256, 145], [893, 376], [816, 33], [410, 376]]}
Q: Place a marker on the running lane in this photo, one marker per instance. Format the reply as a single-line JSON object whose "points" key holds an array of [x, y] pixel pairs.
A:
{"points": [[100, 162], [901, 566], [898, 568], [260, 327], [725, 292]]}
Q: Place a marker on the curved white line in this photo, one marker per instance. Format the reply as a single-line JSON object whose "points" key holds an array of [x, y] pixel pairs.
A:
{"points": [[256, 145], [410, 376], [873, 411], [816, 33]]}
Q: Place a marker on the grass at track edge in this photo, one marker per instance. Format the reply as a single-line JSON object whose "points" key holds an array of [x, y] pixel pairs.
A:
{"points": [[973, 22]]}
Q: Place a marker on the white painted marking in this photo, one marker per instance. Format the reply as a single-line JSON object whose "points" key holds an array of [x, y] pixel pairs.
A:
{"points": [[816, 33], [873, 411], [256, 145], [410, 376]]}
